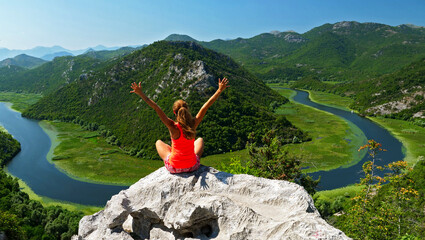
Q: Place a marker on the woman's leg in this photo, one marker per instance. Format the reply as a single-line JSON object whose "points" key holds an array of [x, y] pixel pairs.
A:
{"points": [[163, 149], [199, 146]]}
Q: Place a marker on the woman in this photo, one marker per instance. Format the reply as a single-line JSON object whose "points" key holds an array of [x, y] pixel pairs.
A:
{"points": [[184, 153]]}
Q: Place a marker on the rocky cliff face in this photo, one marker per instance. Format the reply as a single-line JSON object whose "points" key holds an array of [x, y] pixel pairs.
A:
{"points": [[208, 204]]}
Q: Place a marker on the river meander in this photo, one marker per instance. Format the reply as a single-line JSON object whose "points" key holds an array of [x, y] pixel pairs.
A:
{"points": [[341, 177], [45, 179], [40, 175]]}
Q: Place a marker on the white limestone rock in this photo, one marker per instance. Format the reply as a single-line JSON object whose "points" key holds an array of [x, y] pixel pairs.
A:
{"points": [[208, 204]]}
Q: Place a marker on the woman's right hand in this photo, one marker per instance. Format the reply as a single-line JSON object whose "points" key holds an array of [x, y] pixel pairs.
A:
{"points": [[136, 88], [222, 84]]}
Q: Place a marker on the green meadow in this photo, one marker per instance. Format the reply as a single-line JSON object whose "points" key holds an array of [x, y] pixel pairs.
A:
{"points": [[2, 129], [20, 101], [331, 195], [331, 100], [86, 156], [87, 210], [334, 141]]}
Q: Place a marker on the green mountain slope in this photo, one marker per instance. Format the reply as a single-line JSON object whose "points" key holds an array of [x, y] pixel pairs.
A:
{"points": [[22, 60], [400, 94], [49, 76], [168, 71]]}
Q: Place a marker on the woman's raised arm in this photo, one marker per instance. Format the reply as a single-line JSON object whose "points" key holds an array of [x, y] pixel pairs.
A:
{"points": [[222, 85], [137, 88]]}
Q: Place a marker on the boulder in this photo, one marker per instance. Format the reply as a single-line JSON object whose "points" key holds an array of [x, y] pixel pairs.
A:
{"points": [[208, 204]]}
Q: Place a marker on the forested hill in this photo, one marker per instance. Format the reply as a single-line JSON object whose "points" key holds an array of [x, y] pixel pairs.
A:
{"points": [[57, 73], [22, 60], [399, 95], [168, 71], [340, 51]]}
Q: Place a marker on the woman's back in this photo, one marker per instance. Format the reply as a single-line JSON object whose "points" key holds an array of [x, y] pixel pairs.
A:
{"points": [[182, 151]]}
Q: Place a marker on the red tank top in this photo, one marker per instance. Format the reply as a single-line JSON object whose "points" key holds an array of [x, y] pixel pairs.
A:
{"points": [[182, 151]]}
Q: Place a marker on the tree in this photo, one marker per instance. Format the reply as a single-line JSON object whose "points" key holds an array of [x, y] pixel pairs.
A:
{"points": [[381, 211], [270, 161]]}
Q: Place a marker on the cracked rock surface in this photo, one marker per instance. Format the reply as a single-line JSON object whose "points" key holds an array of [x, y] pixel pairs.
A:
{"points": [[208, 204]]}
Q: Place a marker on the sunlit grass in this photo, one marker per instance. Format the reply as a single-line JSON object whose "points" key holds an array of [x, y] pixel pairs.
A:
{"points": [[2, 129], [331, 195], [86, 156], [330, 99], [20, 101], [46, 202]]}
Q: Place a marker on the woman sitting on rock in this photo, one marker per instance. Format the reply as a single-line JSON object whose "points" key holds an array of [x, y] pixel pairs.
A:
{"points": [[184, 153]]}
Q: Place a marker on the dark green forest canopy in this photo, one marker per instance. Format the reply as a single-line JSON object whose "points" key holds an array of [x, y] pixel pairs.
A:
{"points": [[168, 71], [9, 147], [22, 218]]}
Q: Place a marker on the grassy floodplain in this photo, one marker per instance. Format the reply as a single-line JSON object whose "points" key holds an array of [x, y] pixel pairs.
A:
{"points": [[331, 100], [20, 101], [334, 141], [2, 129], [87, 210], [86, 156]]}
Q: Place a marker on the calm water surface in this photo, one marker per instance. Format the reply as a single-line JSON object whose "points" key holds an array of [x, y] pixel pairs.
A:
{"points": [[42, 177]]}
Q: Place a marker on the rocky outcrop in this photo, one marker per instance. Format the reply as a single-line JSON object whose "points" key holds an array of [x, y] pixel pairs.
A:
{"points": [[208, 204]]}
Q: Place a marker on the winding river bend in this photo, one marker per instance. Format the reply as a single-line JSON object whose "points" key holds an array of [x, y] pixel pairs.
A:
{"points": [[45, 179], [42, 177], [341, 177]]}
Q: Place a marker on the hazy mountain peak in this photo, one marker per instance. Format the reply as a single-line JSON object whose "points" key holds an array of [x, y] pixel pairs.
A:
{"points": [[410, 26], [345, 24], [180, 37], [22, 60]]}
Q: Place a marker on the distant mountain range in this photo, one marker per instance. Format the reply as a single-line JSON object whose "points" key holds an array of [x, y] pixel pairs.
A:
{"points": [[339, 52], [54, 74], [362, 55], [51, 56], [48, 53], [22, 60]]}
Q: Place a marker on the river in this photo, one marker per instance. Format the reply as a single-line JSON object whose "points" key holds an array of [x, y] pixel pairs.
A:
{"points": [[41, 176], [341, 177]]}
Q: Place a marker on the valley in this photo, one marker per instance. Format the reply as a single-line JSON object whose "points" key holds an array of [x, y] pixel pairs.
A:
{"points": [[86, 156], [323, 93]]}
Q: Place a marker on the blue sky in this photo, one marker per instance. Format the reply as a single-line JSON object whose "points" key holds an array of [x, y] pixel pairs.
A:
{"points": [[77, 24]]}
